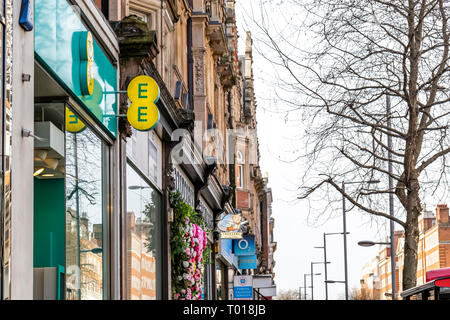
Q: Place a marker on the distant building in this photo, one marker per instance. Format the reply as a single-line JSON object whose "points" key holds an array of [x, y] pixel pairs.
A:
{"points": [[433, 253]]}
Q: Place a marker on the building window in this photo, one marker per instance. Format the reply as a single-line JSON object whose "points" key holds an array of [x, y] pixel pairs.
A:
{"points": [[143, 244], [239, 158], [148, 17], [103, 5], [152, 160], [132, 147], [185, 188], [239, 176]]}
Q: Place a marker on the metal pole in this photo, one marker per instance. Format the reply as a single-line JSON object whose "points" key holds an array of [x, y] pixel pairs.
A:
{"points": [[345, 242], [325, 263], [304, 284], [391, 199], [312, 282], [78, 213]]}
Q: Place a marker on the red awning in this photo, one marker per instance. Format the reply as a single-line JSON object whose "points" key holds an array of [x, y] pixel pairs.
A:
{"points": [[437, 273]]}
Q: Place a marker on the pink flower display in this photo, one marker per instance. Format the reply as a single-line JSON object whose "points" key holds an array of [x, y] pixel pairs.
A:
{"points": [[195, 244]]}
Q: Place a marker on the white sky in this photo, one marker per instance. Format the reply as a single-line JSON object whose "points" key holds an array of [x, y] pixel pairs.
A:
{"points": [[295, 237]]}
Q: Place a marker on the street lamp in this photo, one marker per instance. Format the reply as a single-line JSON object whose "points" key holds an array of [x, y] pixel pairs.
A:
{"points": [[137, 187], [325, 257], [324, 260], [368, 243], [300, 293], [345, 229], [312, 278], [304, 280], [334, 281], [94, 250]]}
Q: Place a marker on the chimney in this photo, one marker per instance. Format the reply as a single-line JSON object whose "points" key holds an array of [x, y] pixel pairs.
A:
{"points": [[426, 221], [441, 213]]}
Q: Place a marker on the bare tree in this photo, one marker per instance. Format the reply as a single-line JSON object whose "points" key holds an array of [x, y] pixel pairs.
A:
{"points": [[289, 294], [337, 62]]}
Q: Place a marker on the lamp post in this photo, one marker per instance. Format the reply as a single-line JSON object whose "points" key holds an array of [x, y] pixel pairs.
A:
{"points": [[345, 229], [300, 293], [325, 257], [324, 260], [391, 197], [368, 243], [312, 278], [304, 280]]}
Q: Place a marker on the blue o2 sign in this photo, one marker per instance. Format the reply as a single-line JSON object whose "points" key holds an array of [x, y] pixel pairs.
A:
{"points": [[244, 246]]}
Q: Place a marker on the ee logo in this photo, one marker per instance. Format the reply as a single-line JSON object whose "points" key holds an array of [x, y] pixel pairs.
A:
{"points": [[143, 92], [86, 63], [73, 123]]}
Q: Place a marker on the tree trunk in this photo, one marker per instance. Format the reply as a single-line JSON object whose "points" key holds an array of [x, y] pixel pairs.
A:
{"points": [[413, 209]]}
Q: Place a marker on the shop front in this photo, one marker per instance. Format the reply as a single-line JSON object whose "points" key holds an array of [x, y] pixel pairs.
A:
{"points": [[226, 268], [75, 130]]}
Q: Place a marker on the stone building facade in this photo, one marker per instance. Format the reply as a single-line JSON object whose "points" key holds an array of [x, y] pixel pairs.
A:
{"points": [[110, 237]]}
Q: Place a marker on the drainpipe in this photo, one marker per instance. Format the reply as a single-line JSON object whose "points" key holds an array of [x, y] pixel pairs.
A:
{"points": [[190, 62]]}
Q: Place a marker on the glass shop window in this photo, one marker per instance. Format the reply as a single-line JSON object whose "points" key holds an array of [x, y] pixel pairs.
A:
{"points": [[143, 245], [85, 210]]}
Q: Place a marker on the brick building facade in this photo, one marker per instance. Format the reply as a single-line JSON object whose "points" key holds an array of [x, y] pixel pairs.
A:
{"points": [[433, 253]]}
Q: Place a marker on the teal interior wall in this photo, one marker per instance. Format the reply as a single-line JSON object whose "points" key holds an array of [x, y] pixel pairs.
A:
{"points": [[49, 223]]}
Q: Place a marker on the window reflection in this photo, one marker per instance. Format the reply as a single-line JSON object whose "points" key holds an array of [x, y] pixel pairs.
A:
{"points": [[143, 239], [84, 216]]}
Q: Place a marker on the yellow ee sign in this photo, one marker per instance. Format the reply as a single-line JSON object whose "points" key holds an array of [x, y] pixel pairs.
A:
{"points": [[143, 92], [73, 123], [86, 63]]}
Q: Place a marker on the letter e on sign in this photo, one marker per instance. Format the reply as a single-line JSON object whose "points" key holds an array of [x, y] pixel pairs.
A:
{"points": [[73, 123], [143, 92]]}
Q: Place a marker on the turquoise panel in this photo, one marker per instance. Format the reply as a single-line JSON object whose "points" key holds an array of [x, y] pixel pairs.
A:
{"points": [[58, 29], [49, 223]]}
